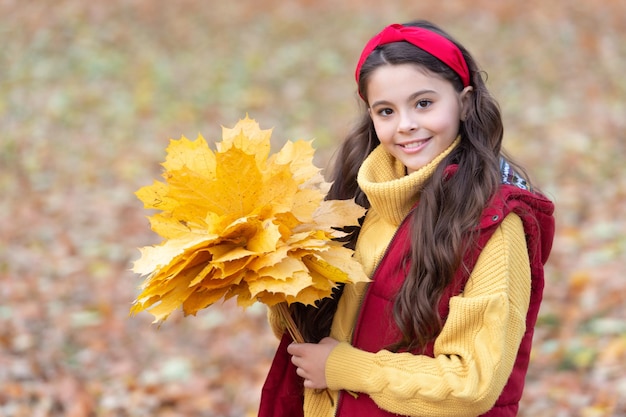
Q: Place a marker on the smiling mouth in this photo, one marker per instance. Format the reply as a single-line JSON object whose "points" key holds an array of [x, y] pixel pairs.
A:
{"points": [[414, 145]]}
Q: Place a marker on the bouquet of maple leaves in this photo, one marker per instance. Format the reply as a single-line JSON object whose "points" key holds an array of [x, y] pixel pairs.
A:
{"points": [[239, 222]]}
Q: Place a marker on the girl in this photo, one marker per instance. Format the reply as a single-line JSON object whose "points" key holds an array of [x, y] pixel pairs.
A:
{"points": [[454, 240]]}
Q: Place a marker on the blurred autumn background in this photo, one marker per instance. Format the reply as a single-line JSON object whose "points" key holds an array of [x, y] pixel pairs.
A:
{"points": [[91, 93]]}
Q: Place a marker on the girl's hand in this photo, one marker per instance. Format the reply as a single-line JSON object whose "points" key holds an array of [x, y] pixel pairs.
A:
{"points": [[310, 359]]}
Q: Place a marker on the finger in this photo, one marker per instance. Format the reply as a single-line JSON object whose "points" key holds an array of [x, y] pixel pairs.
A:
{"points": [[295, 349], [296, 360], [310, 384], [301, 373]]}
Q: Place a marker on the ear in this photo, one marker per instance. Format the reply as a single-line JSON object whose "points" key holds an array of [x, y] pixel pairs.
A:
{"points": [[465, 96]]}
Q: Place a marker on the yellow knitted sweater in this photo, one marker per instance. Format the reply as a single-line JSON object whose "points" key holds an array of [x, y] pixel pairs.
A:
{"points": [[476, 350]]}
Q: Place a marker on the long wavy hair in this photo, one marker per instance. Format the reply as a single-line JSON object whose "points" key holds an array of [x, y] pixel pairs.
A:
{"points": [[444, 221]]}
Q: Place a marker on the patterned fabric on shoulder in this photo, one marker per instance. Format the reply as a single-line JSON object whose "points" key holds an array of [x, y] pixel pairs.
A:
{"points": [[511, 177]]}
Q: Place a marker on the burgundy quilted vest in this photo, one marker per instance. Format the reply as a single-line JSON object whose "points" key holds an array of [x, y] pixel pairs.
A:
{"points": [[375, 328]]}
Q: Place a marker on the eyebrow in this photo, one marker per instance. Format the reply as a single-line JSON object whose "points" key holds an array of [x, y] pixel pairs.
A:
{"points": [[410, 98]]}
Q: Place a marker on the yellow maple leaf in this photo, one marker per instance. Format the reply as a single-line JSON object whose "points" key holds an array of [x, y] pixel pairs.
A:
{"points": [[239, 222], [247, 135], [195, 155]]}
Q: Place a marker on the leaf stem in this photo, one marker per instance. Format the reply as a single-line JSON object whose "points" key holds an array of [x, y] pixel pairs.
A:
{"points": [[290, 325], [296, 335]]}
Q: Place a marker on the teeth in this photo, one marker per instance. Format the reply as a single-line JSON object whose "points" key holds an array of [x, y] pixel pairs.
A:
{"points": [[412, 145]]}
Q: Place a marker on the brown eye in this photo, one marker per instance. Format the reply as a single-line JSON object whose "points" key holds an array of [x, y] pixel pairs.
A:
{"points": [[422, 104]]}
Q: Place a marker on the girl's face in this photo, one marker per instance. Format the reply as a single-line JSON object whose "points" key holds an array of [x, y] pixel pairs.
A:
{"points": [[416, 114]]}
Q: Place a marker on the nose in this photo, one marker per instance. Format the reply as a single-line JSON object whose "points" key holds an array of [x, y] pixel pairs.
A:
{"points": [[408, 122]]}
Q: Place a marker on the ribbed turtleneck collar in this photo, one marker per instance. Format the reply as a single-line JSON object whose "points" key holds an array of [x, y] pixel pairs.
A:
{"points": [[389, 190]]}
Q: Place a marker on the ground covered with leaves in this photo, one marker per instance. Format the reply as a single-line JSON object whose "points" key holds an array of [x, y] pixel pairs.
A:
{"points": [[92, 92]]}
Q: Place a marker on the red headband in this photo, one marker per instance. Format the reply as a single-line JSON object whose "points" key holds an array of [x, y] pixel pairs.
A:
{"points": [[431, 42]]}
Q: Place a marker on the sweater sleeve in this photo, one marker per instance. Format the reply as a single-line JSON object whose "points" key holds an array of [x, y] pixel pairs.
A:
{"points": [[473, 355]]}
